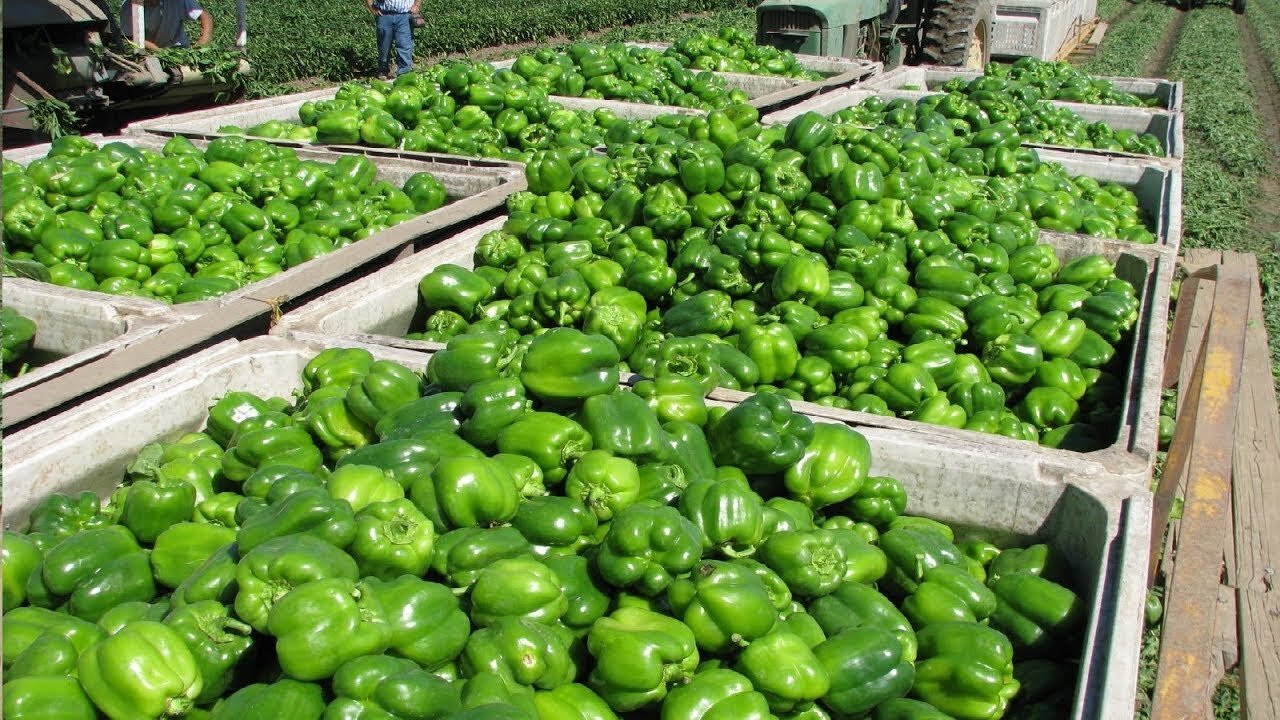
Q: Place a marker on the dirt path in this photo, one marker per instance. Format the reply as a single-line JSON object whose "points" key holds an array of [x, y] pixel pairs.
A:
{"points": [[1267, 96], [1159, 57]]}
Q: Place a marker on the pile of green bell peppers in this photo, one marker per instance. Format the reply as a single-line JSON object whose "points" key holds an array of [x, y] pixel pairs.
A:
{"points": [[1025, 108], [541, 542], [471, 108], [857, 269], [183, 224]]}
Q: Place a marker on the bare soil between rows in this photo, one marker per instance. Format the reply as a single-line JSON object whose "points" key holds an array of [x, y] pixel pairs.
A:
{"points": [[1266, 215], [1159, 58]]}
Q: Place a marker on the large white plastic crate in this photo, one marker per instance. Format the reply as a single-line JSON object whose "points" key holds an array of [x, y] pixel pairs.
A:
{"points": [[1167, 127], [984, 492], [474, 187], [74, 327], [1167, 93], [383, 307]]}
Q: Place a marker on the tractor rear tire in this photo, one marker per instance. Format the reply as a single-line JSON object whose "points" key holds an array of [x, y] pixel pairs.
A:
{"points": [[957, 33]]}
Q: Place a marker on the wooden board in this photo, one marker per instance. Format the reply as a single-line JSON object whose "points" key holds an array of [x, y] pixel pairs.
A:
{"points": [[1256, 493], [1098, 33], [1203, 448], [1191, 317]]}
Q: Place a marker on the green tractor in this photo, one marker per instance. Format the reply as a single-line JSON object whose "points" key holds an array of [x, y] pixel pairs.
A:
{"points": [[933, 32]]}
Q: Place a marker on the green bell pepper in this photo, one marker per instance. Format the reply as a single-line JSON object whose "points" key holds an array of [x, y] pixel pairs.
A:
{"points": [[866, 666], [521, 652], [714, 693], [217, 643], [450, 287], [639, 656], [646, 546], [965, 670], [273, 569], [392, 538], [460, 555], [311, 512], [725, 604], [321, 624], [912, 552], [92, 571], [389, 687], [184, 547], [833, 467], [470, 358], [466, 492], [556, 525], [427, 625], [1039, 616], [622, 424], [728, 512], [565, 366], [47, 696], [948, 593], [552, 441], [163, 677], [760, 435], [782, 667], [517, 588], [149, 509], [284, 698], [812, 562]]}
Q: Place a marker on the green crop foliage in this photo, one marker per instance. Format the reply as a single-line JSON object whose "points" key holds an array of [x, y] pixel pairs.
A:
{"points": [[1108, 9], [1225, 151], [1264, 17], [674, 29], [1128, 43], [335, 40]]}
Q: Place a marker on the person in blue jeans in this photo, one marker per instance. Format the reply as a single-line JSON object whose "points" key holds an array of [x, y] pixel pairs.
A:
{"points": [[393, 21]]}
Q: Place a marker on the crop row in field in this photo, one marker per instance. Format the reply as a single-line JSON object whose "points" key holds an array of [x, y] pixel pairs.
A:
{"points": [[675, 29], [1225, 149], [1264, 16], [335, 41], [1129, 42], [1108, 9]]}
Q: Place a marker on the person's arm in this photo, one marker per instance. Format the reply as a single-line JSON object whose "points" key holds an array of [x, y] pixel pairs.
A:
{"points": [[369, 4], [206, 29], [416, 7]]}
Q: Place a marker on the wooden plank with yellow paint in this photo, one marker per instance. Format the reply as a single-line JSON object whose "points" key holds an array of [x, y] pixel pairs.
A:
{"points": [[1203, 446]]}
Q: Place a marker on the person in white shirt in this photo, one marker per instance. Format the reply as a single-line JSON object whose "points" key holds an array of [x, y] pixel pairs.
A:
{"points": [[164, 22]]}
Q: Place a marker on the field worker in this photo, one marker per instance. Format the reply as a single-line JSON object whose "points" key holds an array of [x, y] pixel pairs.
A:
{"points": [[393, 20], [165, 20]]}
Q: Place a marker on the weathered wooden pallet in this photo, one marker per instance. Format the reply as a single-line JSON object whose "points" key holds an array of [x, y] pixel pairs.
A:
{"points": [[1224, 461]]}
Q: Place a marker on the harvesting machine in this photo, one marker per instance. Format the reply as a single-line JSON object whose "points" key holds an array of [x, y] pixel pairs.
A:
{"points": [[74, 51], [936, 32]]}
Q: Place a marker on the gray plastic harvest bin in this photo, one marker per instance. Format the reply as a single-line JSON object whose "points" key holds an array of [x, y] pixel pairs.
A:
{"points": [[1168, 93], [74, 327], [1103, 533], [1167, 127], [474, 187], [384, 306]]}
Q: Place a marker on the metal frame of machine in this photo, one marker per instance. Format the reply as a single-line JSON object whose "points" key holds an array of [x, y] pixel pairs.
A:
{"points": [[74, 51]]}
